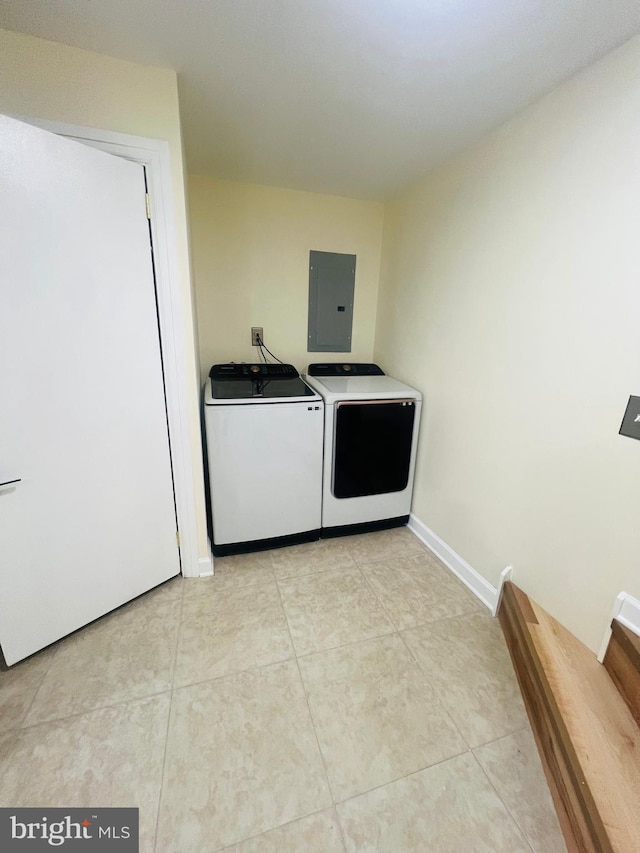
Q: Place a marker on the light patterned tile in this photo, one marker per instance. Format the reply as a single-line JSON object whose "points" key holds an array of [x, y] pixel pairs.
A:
{"points": [[166, 592], [230, 572], [449, 808], [18, 686], [318, 833], [330, 609], [514, 768], [417, 589], [383, 545], [467, 661], [242, 758], [321, 556], [127, 655], [376, 715], [111, 757], [230, 631]]}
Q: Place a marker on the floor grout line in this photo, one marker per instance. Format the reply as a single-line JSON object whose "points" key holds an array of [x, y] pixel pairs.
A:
{"points": [[377, 560], [273, 828], [406, 776], [166, 735], [395, 779], [379, 599], [436, 693], [475, 612], [343, 837], [233, 673], [111, 707], [417, 662], [347, 645], [315, 572], [331, 570], [311, 719], [395, 632], [320, 571], [501, 737], [306, 696], [211, 588], [420, 624], [25, 726], [295, 654], [359, 569], [22, 722], [508, 810], [340, 645]]}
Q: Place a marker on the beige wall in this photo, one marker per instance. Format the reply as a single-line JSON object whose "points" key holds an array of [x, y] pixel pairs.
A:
{"points": [[42, 79], [251, 264], [510, 294]]}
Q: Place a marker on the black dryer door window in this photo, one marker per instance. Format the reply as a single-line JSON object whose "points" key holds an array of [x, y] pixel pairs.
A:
{"points": [[372, 451]]}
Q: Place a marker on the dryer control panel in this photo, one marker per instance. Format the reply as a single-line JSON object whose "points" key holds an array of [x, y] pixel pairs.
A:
{"points": [[338, 368]]}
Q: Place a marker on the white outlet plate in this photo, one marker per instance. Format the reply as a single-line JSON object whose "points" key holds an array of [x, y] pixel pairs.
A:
{"points": [[256, 336]]}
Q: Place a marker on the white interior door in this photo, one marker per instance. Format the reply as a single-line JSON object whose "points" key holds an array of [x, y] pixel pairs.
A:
{"points": [[91, 524]]}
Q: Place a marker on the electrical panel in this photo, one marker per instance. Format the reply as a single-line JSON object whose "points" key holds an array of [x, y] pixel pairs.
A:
{"points": [[332, 279]]}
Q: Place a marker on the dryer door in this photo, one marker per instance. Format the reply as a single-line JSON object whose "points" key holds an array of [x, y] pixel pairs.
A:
{"points": [[372, 451]]}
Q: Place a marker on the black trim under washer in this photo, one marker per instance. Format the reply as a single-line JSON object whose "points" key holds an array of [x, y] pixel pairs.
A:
{"points": [[265, 544], [364, 527]]}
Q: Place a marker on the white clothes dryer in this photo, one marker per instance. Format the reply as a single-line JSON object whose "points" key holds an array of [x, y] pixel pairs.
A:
{"points": [[371, 438]]}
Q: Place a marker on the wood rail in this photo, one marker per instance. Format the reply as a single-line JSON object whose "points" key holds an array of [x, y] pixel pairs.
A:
{"points": [[587, 738], [622, 662]]}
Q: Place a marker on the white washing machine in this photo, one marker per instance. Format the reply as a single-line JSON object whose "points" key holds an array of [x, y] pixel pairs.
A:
{"points": [[371, 438], [264, 437]]}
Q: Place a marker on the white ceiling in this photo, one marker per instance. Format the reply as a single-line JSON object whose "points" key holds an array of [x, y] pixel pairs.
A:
{"points": [[354, 97]]}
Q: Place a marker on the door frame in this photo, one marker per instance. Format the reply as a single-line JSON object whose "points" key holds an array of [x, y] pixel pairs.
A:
{"points": [[154, 155]]}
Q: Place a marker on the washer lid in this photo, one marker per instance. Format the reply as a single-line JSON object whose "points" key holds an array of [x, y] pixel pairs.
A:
{"points": [[259, 391], [336, 388]]}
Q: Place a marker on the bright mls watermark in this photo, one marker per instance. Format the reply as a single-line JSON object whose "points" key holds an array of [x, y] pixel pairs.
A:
{"points": [[69, 829]]}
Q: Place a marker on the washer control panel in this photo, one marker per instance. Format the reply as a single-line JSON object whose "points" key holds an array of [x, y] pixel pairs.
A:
{"points": [[337, 368], [253, 371]]}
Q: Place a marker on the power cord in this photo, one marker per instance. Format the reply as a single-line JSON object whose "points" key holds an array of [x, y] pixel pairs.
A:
{"points": [[262, 344]]}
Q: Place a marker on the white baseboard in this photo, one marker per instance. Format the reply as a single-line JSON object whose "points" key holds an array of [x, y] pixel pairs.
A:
{"points": [[473, 580], [629, 613], [626, 610], [505, 575], [205, 566]]}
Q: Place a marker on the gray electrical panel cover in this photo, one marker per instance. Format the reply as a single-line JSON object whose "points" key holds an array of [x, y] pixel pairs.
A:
{"points": [[332, 279]]}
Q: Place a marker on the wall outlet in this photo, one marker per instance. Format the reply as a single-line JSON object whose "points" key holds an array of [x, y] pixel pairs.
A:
{"points": [[256, 336]]}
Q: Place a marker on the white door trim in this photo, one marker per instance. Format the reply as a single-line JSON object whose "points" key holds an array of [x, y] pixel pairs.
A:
{"points": [[154, 155]]}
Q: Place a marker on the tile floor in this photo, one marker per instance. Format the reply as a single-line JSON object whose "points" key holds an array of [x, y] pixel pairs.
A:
{"points": [[346, 695]]}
